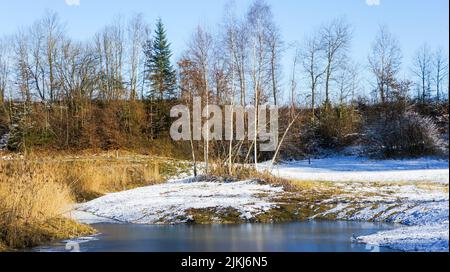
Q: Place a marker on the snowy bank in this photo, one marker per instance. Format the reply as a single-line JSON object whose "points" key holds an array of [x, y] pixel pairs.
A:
{"points": [[413, 193], [353, 168], [422, 208], [427, 238], [168, 203]]}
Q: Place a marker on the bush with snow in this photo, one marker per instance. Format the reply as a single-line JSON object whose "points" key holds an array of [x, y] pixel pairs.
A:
{"points": [[404, 134]]}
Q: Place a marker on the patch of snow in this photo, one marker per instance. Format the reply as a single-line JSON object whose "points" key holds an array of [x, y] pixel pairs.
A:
{"points": [[338, 209], [428, 238], [72, 245], [168, 203], [422, 208], [360, 169], [368, 213], [82, 240], [88, 218]]}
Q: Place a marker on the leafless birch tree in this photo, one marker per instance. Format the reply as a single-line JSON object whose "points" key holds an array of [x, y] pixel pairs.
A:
{"points": [[385, 60]]}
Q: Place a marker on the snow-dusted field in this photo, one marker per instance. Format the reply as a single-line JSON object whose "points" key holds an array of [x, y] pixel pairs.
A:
{"points": [[168, 203], [353, 168]]}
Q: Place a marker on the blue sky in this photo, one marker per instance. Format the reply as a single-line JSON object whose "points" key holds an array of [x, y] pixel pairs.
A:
{"points": [[412, 21]]}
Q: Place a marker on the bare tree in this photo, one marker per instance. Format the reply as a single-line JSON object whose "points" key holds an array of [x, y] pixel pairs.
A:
{"points": [[188, 80], [335, 39], [257, 18], [36, 66], [275, 47], [22, 65], [138, 33], [385, 60], [293, 80], [241, 57], [440, 63], [45, 35], [347, 83], [110, 51], [422, 66], [5, 69], [77, 71], [200, 50], [53, 31], [220, 73], [312, 61], [230, 35]]}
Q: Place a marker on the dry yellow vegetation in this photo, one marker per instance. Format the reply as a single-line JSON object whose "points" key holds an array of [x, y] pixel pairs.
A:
{"points": [[37, 192], [33, 201]]}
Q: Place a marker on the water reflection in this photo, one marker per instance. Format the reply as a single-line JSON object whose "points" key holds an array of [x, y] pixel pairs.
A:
{"points": [[293, 237]]}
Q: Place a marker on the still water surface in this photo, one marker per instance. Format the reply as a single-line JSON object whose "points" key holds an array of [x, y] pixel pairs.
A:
{"points": [[311, 236]]}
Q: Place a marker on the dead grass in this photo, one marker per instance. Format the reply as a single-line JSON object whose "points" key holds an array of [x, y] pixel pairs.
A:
{"points": [[291, 185], [441, 187], [36, 193], [89, 180], [89, 177], [33, 201]]}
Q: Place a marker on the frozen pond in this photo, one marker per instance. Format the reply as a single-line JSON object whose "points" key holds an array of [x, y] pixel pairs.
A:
{"points": [[312, 236]]}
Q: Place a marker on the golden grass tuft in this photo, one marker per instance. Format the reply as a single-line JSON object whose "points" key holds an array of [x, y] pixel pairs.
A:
{"points": [[311, 188], [242, 172], [33, 201], [36, 194], [92, 179]]}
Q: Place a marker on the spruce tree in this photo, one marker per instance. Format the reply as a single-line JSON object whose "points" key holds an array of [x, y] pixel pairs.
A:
{"points": [[160, 72]]}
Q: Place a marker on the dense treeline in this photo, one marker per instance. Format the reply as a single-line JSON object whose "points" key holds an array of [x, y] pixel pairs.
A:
{"points": [[116, 89]]}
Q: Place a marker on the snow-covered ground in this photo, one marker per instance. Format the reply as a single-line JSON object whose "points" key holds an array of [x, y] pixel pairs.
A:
{"points": [[168, 203], [353, 168], [426, 238], [422, 209]]}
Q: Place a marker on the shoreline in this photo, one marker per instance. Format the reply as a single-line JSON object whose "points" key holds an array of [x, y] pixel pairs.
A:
{"points": [[419, 208]]}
